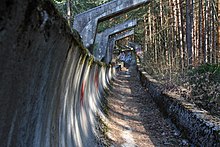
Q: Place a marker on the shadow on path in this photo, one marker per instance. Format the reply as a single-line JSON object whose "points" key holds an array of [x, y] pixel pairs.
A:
{"points": [[134, 119]]}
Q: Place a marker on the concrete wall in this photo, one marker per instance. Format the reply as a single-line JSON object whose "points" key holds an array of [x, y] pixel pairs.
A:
{"points": [[86, 22], [51, 88], [102, 38], [197, 124]]}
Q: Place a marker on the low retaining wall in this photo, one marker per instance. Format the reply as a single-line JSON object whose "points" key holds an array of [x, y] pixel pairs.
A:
{"points": [[198, 125], [51, 87]]}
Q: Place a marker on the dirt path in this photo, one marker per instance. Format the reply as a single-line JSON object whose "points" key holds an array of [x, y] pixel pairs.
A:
{"points": [[134, 119]]}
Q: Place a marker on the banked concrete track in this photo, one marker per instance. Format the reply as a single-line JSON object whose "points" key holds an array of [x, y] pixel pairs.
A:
{"points": [[51, 87]]}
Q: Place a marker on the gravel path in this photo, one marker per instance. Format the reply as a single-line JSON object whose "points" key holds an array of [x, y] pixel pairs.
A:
{"points": [[134, 119]]}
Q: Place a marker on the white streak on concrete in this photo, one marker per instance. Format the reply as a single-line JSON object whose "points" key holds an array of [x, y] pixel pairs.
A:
{"points": [[11, 129]]}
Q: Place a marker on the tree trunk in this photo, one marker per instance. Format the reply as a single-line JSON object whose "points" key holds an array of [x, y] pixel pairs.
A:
{"points": [[184, 63], [205, 34], [180, 42], [150, 30], [218, 44], [162, 46], [68, 8], [200, 46], [145, 34], [208, 32], [189, 31], [214, 42]]}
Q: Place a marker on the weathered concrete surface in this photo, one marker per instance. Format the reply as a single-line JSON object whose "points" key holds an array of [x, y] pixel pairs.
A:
{"points": [[86, 22], [101, 41], [112, 41], [199, 126], [51, 88]]}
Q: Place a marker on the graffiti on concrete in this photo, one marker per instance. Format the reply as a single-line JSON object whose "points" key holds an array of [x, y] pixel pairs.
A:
{"points": [[125, 57], [50, 98]]}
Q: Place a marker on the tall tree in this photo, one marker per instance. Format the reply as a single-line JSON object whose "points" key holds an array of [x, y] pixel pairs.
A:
{"points": [[218, 54], [189, 18], [68, 6]]}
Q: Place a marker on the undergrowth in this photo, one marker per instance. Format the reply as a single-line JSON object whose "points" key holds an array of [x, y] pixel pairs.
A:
{"points": [[204, 83], [201, 85]]}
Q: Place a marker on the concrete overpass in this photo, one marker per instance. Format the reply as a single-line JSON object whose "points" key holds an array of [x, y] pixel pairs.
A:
{"points": [[86, 23], [102, 38], [112, 41]]}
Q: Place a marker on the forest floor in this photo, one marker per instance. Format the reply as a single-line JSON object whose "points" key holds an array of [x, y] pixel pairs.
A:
{"points": [[199, 85], [134, 119]]}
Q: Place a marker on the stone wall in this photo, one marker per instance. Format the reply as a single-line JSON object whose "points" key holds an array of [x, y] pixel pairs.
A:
{"points": [[51, 87], [197, 124]]}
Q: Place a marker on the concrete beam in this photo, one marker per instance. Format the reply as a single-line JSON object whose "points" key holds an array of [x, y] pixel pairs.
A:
{"points": [[86, 23], [112, 41], [101, 40]]}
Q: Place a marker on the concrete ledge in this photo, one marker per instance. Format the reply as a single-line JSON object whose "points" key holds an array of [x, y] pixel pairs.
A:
{"points": [[198, 125]]}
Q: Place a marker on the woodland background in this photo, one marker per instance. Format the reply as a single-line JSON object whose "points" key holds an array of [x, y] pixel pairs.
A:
{"points": [[180, 40]]}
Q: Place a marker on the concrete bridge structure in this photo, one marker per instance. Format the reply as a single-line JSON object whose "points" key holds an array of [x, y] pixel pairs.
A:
{"points": [[112, 40], [86, 23], [102, 38]]}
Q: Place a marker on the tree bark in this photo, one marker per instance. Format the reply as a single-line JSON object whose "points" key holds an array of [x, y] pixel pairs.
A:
{"points": [[218, 45], [189, 31], [200, 46], [68, 7], [184, 62]]}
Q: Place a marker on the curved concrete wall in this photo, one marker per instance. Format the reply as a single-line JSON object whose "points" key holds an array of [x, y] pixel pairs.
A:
{"points": [[51, 88]]}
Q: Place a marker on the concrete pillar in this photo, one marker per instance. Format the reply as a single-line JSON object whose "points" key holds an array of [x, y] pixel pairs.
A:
{"points": [[101, 40], [111, 42], [86, 23]]}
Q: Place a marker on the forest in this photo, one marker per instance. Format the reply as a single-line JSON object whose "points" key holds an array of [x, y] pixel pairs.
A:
{"points": [[180, 40]]}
